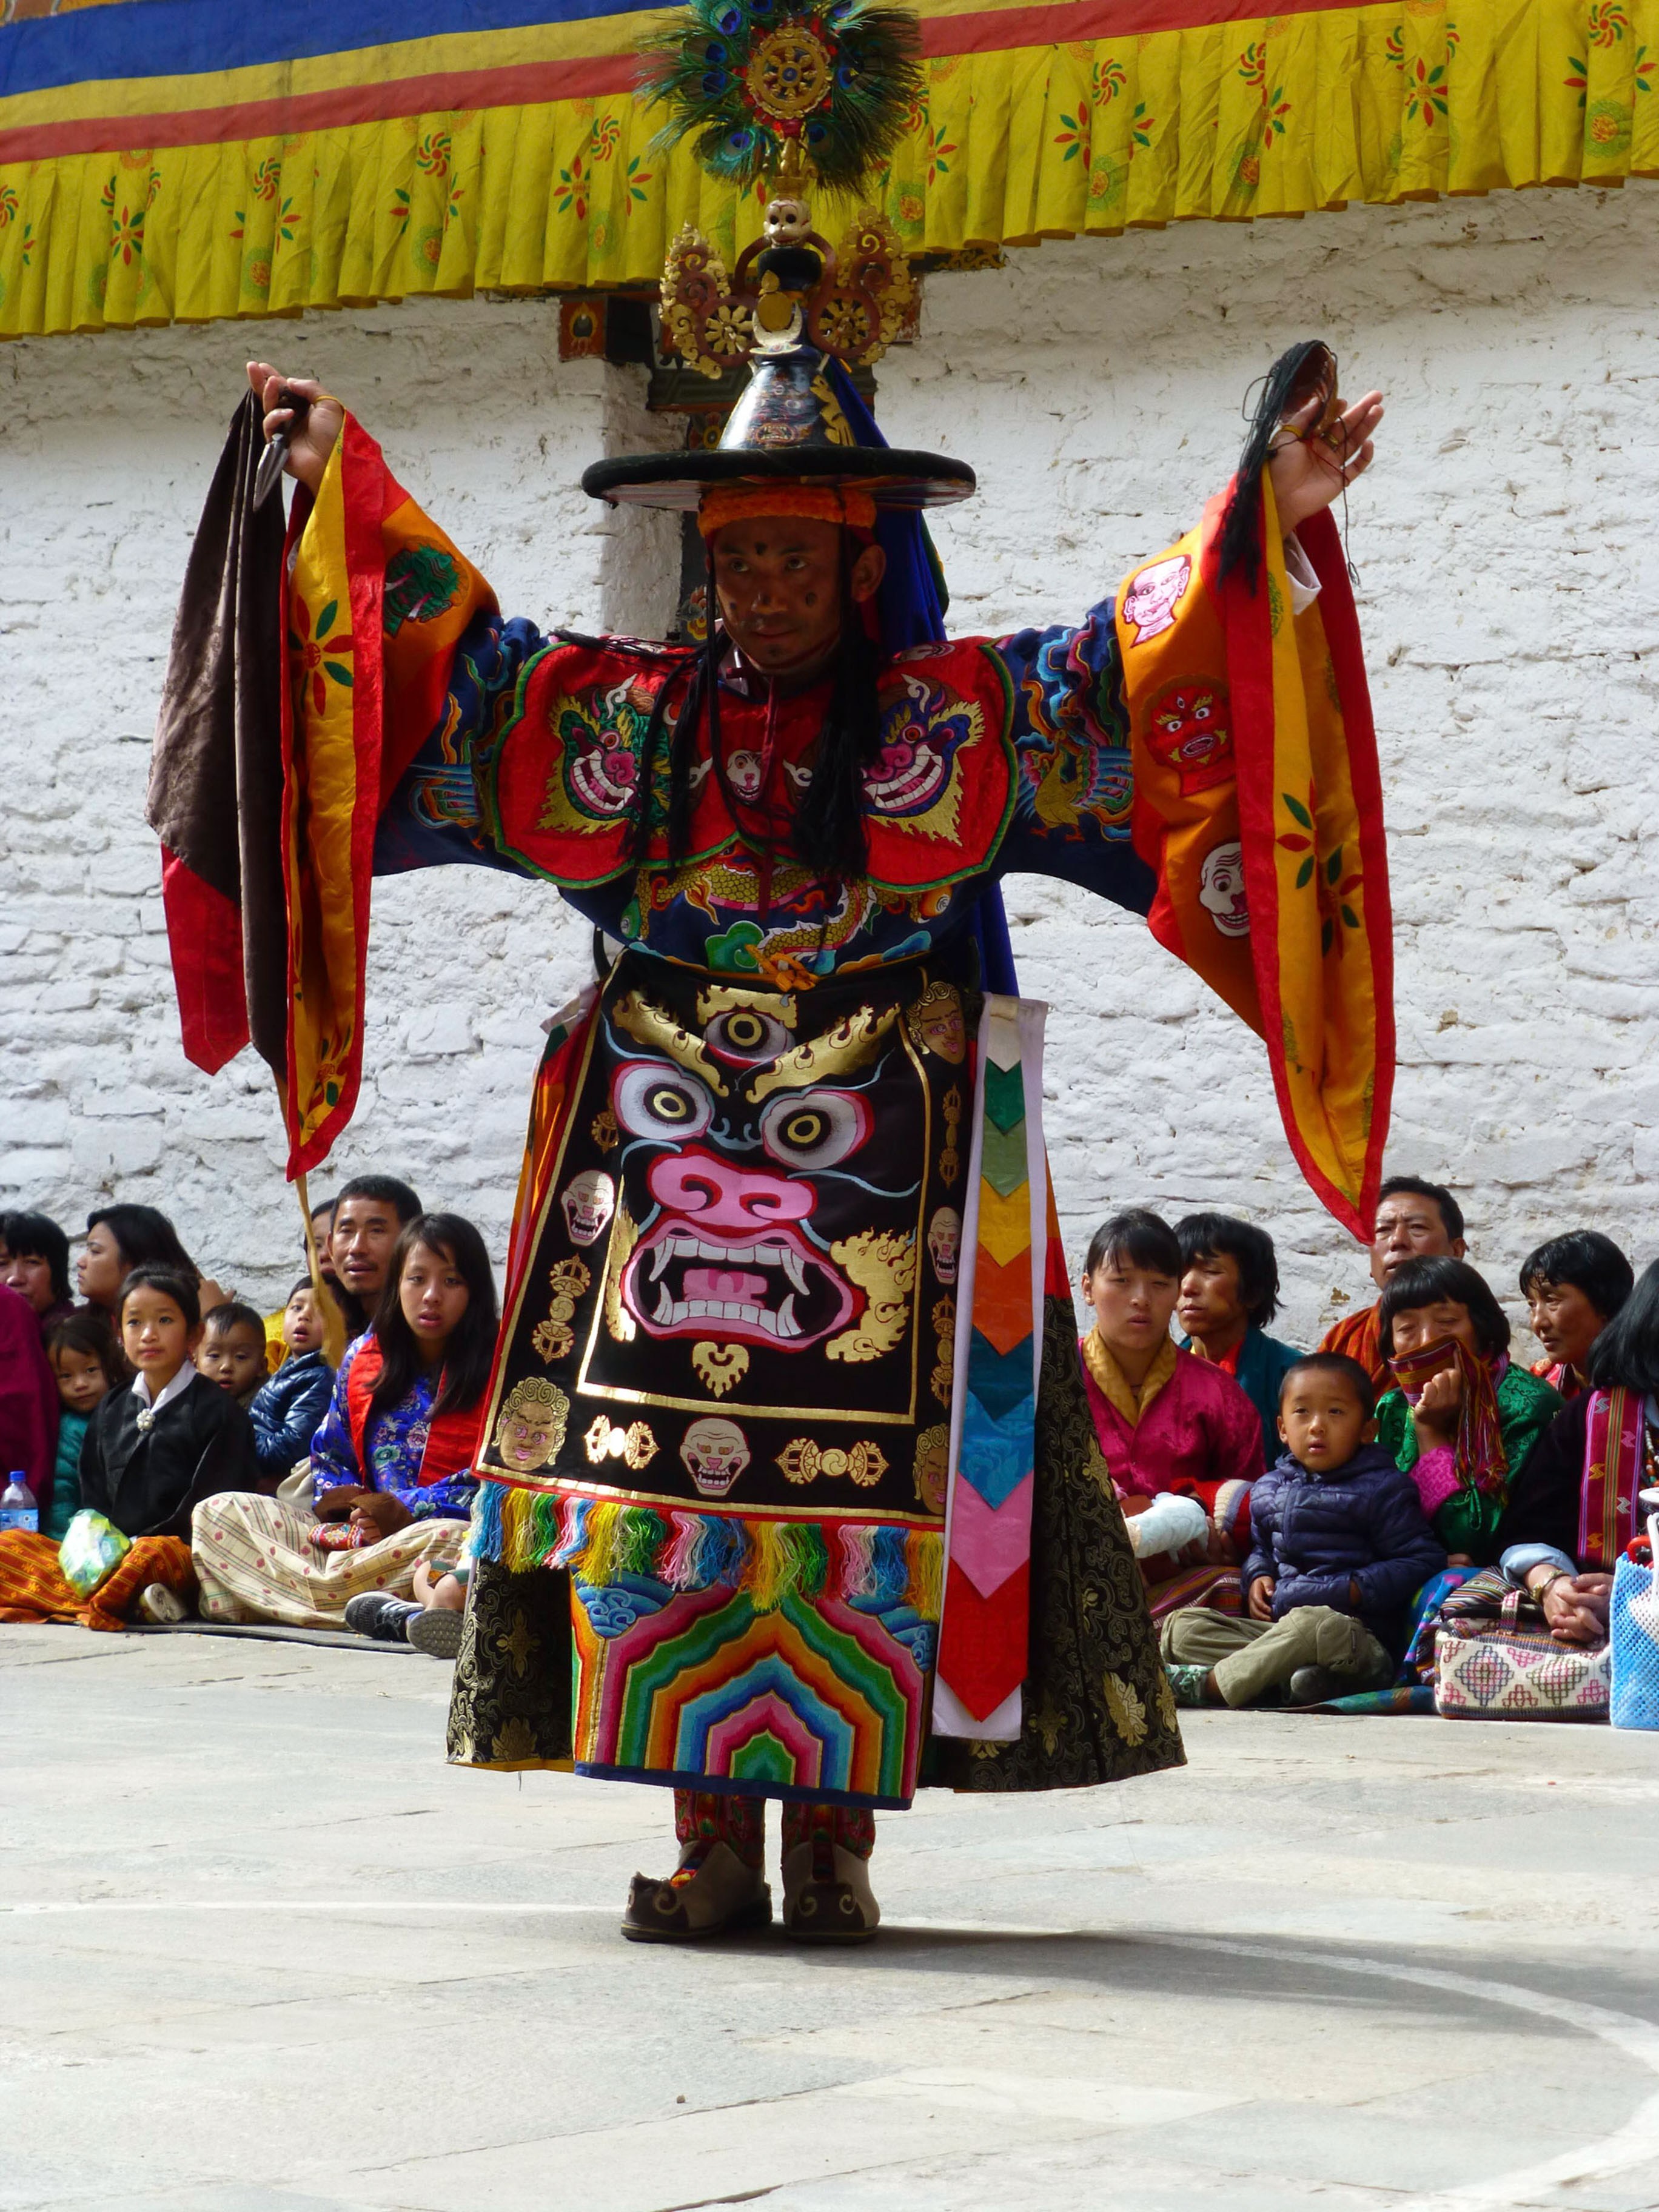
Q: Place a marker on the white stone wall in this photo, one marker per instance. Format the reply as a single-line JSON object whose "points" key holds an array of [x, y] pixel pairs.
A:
{"points": [[1509, 596]]}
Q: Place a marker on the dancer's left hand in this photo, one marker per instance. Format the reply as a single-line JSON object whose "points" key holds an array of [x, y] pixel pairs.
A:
{"points": [[1308, 472]]}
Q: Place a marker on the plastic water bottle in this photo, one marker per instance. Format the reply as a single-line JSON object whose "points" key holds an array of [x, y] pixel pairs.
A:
{"points": [[17, 1507]]}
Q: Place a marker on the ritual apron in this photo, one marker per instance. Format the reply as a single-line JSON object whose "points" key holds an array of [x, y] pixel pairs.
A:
{"points": [[722, 1397]]}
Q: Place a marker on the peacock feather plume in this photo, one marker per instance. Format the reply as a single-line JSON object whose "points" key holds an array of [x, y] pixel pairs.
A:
{"points": [[753, 84]]}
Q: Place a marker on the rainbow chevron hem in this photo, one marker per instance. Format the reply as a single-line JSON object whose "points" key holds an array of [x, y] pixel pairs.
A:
{"points": [[984, 1629]]}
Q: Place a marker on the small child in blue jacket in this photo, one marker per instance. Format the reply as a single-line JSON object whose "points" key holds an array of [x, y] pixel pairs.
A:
{"points": [[1338, 1546], [287, 1411]]}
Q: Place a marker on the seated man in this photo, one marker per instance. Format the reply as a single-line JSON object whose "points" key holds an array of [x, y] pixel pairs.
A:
{"points": [[1573, 1286], [1229, 1293], [1337, 1545], [1171, 1427], [370, 1214], [1415, 1220]]}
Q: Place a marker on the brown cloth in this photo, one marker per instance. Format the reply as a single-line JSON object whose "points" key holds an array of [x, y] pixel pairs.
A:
{"points": [[216, 782]]}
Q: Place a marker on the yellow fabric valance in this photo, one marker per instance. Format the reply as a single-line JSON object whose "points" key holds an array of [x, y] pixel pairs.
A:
{"points": [[196, 218]]}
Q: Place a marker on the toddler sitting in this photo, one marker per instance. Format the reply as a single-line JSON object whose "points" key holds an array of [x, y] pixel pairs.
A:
{"points": [[232, 1351], [1338, 1543], [85, 1363]]}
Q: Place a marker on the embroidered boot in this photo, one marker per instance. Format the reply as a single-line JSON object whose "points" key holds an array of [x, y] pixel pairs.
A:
{"points": [[718, 1886], [827, 1896]]}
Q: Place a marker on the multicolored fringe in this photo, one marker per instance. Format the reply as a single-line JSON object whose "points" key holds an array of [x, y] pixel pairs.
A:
{"points": [[984, 1640], [601, 1543]]}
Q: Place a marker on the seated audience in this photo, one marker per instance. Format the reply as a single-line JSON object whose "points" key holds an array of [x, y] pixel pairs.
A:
{"points": [[1462, 1417], [1573, 1287], [1171, 1426], [1339, 1545], [322, 1224], [390, 1463], [1575, 1505], [231, 1353], [151, 1454], [370, 1215], [122, 1237], [287, 1408], [1415, 1220], [87, 1366], [36, 1263], [1229, 1293], [431, 1620], [28, 1400]]}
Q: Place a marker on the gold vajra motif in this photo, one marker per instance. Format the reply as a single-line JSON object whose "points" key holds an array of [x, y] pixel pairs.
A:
{"points": [[1127, 1708], [519, 1645], [931, 1466], [882, 1263], [553, 1338], [721, 1367], [945, 1329], [604, 1129], [804, 1460], [1049, 1722], [635, 1446], [1166, 1704], [950, 1160], [624, 1236]]}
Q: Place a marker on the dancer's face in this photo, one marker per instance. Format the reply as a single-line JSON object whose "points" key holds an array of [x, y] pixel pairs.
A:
{"points": [[777, 580]]}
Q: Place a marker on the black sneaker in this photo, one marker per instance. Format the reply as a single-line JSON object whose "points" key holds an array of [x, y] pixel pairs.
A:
{"points": [[437, 1633], [1315, 1685], [385, 1617]]}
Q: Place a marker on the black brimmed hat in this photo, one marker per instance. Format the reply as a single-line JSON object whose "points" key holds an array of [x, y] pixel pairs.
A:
{"points": [[788, 428]]}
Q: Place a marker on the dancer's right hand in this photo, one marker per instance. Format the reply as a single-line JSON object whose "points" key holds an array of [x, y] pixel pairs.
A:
{"points": [[313, 441]]}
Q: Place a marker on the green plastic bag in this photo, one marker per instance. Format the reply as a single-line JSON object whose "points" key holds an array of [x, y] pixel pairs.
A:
{"points": [[92, 1549]]}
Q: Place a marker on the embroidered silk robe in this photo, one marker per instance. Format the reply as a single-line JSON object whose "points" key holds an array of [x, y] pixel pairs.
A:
{"points": [[722, 1401]]}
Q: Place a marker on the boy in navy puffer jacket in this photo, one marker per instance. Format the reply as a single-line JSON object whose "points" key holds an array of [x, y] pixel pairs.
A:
{"points": [[287, 1411], [1338, 1544]]}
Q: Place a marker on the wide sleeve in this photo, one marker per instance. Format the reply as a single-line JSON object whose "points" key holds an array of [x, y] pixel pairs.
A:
{"points": [[449, 1498], [1074, 784], [284, 1425], [398, 668], [1257, 805], [333, 1451], [229, 1460], [1407, 1550]]}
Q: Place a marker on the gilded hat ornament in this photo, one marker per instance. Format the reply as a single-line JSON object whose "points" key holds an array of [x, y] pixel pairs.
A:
{"points": [[786, 99]]}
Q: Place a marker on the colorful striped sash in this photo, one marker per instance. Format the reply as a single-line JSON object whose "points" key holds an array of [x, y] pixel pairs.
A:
{"points": [[985, 1629]]}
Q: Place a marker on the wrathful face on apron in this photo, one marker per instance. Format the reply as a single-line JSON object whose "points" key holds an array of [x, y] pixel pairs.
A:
{"points": [[724, 1397], [741, 1296]]}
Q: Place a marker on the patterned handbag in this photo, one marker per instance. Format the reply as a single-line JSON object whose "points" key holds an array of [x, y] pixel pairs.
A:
{"points": [[1503, 1672], [1635, 1631]]}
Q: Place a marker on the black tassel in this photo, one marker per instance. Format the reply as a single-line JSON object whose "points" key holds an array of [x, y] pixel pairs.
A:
{"points": [[1301, 373]]}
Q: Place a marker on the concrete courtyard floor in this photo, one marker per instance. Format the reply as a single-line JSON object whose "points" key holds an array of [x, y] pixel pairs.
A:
{"points": [[263, 1951]]}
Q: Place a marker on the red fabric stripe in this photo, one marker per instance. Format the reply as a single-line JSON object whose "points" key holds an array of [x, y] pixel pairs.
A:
{"points": [[983, 1641], [204, 937], [585, 77]]}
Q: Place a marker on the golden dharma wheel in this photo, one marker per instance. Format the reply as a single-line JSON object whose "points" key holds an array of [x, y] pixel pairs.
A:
{"points": [[789, 74]]}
